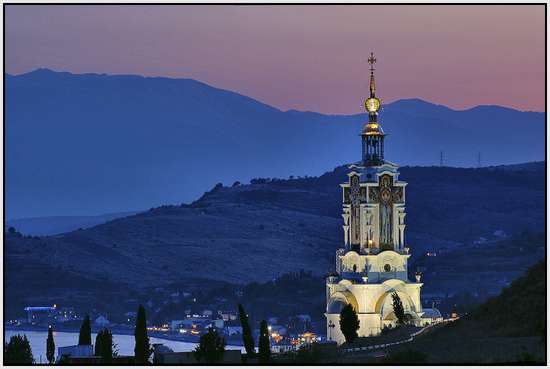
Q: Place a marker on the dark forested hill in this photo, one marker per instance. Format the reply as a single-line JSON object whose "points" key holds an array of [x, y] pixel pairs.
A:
{"points": [[509, 328], [257, 231], [93, 143]]}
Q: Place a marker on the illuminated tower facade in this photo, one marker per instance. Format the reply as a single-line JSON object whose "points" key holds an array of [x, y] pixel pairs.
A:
{"points": [[371, 264]]}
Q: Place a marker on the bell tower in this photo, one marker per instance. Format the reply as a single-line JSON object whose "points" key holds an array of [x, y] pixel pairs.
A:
{"points": [[372, 262]]}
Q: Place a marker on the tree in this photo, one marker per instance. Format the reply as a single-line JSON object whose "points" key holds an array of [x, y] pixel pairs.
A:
{"points": [[104, 346], [85, 336], [142, 350], [211, 347], [50, 346], [398, 308], [349, 323], [248, 341], [18, 351], [264, 351]]}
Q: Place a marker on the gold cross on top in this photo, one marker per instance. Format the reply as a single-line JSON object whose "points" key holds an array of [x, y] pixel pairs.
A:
{"points": [[372, 61]]}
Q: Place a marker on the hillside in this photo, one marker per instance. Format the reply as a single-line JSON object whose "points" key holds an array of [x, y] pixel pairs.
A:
{"points": [[510, 328], [94, 143], [258, 231]]}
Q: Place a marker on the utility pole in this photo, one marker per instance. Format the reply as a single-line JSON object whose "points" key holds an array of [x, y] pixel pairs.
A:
{"points": [[479, 159], [441, 158]]}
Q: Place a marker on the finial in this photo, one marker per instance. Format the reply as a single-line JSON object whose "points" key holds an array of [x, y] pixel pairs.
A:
{"points": [[372, 61]]}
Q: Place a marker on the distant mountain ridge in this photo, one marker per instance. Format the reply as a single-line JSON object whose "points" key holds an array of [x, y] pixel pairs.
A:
{"points": [[46, 226], [95, 143]]}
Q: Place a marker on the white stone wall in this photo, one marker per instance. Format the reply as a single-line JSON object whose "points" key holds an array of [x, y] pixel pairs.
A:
{"points": [[372, 299], [373, 303]]}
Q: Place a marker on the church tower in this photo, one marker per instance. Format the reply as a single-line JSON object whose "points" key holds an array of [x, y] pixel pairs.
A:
{"points": [[371, 265]]}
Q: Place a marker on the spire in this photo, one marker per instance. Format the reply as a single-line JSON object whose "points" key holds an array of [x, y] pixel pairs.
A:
{"points": [[372, 61], [373, 134]]}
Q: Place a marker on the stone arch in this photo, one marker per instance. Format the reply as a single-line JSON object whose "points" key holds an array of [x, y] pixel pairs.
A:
{"points": [[394, 285], [386, 305], [340, 299], [350, 259]]}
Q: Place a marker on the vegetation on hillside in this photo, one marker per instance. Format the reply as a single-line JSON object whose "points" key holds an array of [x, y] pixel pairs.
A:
{"points": [[509, 328]]}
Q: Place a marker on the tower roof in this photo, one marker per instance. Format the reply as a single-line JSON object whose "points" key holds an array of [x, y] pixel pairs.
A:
{"points": [[373, 128]]}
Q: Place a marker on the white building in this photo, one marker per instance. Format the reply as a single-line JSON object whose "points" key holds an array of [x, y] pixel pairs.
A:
{"points": [[372, 263]]}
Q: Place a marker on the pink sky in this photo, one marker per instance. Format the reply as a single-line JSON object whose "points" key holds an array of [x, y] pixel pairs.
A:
{"points": [[299, 57]]}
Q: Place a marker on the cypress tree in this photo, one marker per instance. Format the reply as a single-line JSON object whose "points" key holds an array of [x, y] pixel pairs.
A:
{"points": [[98, 343], [142, 350], [85, 336], [398, 308], [264, 350], [211, 347], [248, 341], [349, 323], [104, 345], [50, 346]]}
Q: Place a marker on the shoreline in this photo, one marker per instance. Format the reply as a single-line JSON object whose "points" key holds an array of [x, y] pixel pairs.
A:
{"points": [[118, 332]]}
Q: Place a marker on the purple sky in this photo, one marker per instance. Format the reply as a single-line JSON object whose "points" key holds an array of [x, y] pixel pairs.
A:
{"points": [[298, 57]]}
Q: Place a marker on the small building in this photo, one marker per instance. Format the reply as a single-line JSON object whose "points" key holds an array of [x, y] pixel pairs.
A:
{"points": [[159, 348], [228, 315], [307, 338], [66, 314], [282, 347], [73, 352], [38, 314], [454, 313], [233, 330], [431, 316]]}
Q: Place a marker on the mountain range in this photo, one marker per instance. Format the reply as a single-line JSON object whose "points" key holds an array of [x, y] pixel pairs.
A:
{"points": [[94, 144]]}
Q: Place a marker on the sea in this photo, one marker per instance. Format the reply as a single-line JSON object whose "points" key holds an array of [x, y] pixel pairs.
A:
{"points": [[125, 343]]}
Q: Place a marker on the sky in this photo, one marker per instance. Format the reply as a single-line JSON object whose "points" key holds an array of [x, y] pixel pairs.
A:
{"points": [[307, 57]]}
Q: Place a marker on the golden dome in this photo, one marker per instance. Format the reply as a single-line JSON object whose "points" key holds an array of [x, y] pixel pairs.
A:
{"points": [[373, 128]]}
